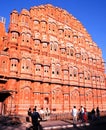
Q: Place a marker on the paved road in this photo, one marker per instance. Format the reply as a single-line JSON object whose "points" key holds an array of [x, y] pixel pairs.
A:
{"points": [[60, 125], [91, 127]]}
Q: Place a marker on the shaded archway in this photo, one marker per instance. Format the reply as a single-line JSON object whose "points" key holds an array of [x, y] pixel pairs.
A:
{"points": [[4, 94]]}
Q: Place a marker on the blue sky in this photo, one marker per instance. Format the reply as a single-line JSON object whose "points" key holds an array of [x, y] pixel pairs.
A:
{"points": [[91, 13]]}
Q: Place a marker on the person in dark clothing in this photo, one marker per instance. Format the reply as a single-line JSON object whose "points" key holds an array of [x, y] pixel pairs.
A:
{"points": [[28, 118], [85, 115], [29, 112], [98, 113], [35, 119], [93, 114]]}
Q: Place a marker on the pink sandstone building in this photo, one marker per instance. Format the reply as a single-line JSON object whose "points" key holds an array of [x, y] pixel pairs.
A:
{"points": [[48, 59]]}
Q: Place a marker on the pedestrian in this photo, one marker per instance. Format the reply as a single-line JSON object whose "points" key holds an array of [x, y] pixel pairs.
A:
{"points": [[98, 113], [42, 114], [35, 108], [35, 119], [79, 115], [93, 114], [74, 114], [29, 112], [82, 113], [47, 113], [85, 115]]}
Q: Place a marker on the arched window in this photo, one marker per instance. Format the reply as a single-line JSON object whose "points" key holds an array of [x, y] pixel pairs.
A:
{"points": [[28, 36], [53, 69], [85, 74], [37, 35], [37, 42], [44, 44], [68, 51], [14, 18], [23, 64], [71, 72], [71, 52], [89, 76], [36, 24], [46, 70], [14, 36], [43, 26], [58, 69], [14, 65], [23, 38], [23, 19], [75, 39], [75, 72], [55, 46], [28, 65]]}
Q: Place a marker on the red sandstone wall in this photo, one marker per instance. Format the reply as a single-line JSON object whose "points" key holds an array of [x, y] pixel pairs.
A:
{"points": [[51, 61]]}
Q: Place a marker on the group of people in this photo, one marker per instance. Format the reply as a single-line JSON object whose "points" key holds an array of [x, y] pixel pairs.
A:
{"points": [[95, 114], [82, 114], [35, 117]]}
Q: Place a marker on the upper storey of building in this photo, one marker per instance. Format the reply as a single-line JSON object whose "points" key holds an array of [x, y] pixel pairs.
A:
{"points": [[47, 41], [54, 25]]}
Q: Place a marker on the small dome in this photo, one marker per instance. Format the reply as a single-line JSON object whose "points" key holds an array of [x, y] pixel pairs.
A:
{"points": [[15, 11], [25, 12]]}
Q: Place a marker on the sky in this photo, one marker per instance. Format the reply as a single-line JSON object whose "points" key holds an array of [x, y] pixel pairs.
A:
{"points": [[91, 13]]}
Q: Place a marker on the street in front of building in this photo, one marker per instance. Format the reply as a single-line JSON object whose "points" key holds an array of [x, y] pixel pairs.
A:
{"points": [[58, 125]]}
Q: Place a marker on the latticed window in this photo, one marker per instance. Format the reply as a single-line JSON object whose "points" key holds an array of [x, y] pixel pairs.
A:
{"points": [[53, 27], [37, 42], [66, 73], [14, 64], [63, 51], [50, 27], [61, 31], [75, 39], [75, 72], [46, 69], [44, 45], [23, 37], [28, 38], [55, 46], [14, 18], [102, 79], [68, 51], [71, 71], [23, 19], [38, 67], [71, 52], [36, 24], [28, 65], [14, 36], [43, 26], [53, 69], [23, 64], [58, 69], [26, 21], [85, 75], [37, 34], [44, 37]]}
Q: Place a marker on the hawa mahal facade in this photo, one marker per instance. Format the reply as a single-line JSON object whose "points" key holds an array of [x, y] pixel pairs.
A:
{"points": [[48, 59]]}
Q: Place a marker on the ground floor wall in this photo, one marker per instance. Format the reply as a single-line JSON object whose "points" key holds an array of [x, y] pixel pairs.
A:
{"points": [[58, 98]]}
